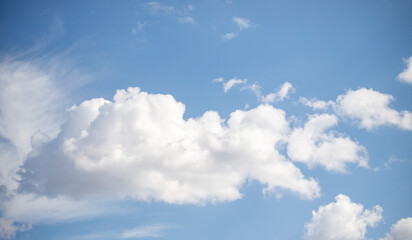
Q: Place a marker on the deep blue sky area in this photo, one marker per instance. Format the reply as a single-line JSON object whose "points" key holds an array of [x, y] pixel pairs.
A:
{"points": [[110, 170]]}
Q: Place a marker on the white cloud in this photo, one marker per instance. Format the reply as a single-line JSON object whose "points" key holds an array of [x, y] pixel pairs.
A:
{"points": [[157, 8], [342, 220], [278, 96], [22, 210], [182, 14], [402, 230], [139, 145], [313, 145], [186, 19], [154, 231], [367, 107], [29, 208], [29, 100], [316, 104], [9, 165], [30, 106], [233, 82], [8, 228], [218, 80], [285, 89], [371, 109], [139, 26], [406, 75], [242, 23], [229, 36], [146, 231]]}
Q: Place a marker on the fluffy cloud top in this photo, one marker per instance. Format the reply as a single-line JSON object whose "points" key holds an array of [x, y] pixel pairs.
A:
{"points": [[139, 145], [313, 146], [406, 75], [342, 220], [402, 230]]}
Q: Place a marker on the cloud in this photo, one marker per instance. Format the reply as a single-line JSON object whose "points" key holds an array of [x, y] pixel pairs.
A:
{"points": [[187, 20], [229, 36], [402, 230], [316, 104], [242, 23], [366, 107], [278, 96], [31, 106], [154, 231], [145, 231], [283, 92], [139, 26], [22, 210], [342, 220], [29, 100], [285, 89], [139, 145], [29, 208], [371, 109], [182, 14], [406, 75], [8, 228], [218, 79], [157, 8], [313, 145], [233, 82]]}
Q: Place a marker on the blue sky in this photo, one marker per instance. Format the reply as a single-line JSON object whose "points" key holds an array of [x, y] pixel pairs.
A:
{"points": [[206, 120]]}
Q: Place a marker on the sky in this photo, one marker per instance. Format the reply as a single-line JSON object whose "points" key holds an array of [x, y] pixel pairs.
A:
{"points": [[276, 120]]}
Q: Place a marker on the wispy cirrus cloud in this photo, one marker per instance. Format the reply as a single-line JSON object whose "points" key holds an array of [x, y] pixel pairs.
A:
{"points": [[138, 27], [183, 15], [281, 94], [241, 23], [144, 231], [152, 231]]}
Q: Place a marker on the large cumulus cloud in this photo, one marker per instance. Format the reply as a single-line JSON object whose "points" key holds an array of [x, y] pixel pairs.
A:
{"points": [[140, 145]]}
